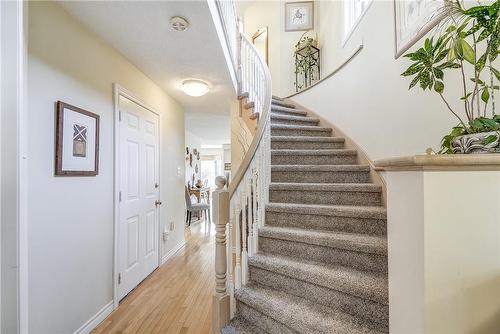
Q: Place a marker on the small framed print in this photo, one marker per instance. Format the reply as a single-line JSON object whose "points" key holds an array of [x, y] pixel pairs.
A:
{"points": [[299, 16], [77, 141]]}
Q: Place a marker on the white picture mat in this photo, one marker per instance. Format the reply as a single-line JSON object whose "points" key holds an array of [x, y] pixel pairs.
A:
{"points": [[291, 7], [414, 19], [70, 162]]}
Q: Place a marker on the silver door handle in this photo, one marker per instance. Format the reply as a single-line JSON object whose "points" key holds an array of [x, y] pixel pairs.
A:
{"points": [[157, 202]]}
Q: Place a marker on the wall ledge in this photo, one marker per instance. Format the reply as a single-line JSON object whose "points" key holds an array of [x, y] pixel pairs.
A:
{"points": [[448, 162]]}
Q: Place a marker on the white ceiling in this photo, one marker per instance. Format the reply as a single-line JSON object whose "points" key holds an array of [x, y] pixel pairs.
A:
{"points": [[140, 30]]}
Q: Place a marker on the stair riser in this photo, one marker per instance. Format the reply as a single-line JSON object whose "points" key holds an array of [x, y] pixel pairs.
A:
{"points": [[288, 112], [320, 177], [329, 223], [358, 260], [356, 306], [338, 159], [293, 122], [305, 145], [262, 321], [303, 133], [325, 197]]}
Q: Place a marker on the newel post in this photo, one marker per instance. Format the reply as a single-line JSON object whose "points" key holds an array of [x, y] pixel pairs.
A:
{"points": [[220, 309]]}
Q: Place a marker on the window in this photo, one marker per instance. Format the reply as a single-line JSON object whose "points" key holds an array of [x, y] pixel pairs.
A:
{"points": [[353, 13]]}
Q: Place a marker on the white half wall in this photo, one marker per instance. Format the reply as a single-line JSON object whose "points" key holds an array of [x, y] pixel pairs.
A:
{"points": [[71, 218]]}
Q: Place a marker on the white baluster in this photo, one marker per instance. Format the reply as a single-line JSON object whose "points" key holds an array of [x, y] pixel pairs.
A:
{"points": [[220, 300], [244, 235], [230, 275], [237, 234]]}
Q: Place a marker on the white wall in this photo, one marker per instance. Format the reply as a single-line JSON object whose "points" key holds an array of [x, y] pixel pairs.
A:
{"points": [[71, 218], [370, 101], [12, 69]]}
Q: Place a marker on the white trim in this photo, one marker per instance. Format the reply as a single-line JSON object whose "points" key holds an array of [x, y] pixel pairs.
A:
{"points": [[117, 92], [172, 252], [96, 319], [23, 292], [347, 36]]}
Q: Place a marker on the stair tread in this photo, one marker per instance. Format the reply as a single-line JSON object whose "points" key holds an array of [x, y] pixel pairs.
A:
{"points": [[363, 284], [300, 127], [358, 187], [372, 212], [339, 151], [321, 168], [364, 243], [294, 118], [308, 139], [299, 314]]}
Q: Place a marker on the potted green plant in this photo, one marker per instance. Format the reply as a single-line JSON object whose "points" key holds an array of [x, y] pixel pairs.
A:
{"points": [[466, 40]]}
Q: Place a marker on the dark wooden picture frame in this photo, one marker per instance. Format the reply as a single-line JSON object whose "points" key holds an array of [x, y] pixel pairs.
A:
{"points": [[59, 136]]}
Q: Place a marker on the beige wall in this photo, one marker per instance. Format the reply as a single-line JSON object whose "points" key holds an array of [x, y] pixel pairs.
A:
{"points": [[193, 142], [258, 14], [462, 252], [241, 138], [71, 218], [444, 251]]}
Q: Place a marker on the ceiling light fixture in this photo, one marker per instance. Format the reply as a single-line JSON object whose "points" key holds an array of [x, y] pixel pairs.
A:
{"points": [[195, 87], [179, 23]]}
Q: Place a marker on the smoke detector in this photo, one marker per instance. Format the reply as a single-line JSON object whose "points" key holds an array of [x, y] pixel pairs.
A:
{"points": [[179, 23]]}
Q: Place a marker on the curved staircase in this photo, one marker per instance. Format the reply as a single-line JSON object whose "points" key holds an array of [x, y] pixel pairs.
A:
{"points": [[322, 260]]}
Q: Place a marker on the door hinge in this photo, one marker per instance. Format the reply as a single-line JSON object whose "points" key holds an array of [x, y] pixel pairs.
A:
{"points": [[120, 196], [120, 116], [119, 278]]}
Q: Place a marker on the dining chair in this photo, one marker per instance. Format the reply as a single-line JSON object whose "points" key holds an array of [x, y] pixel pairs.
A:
{"points": [[195, 207]]}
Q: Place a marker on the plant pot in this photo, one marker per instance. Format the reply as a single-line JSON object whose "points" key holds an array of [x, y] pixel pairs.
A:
{"points": [[474, 143]]}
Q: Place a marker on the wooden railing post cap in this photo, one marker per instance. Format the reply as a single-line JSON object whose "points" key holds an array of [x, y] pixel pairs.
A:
{"points": [[220, 182]]}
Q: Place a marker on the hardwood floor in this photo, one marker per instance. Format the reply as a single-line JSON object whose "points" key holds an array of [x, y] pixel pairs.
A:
{"points": [[177, 297]]}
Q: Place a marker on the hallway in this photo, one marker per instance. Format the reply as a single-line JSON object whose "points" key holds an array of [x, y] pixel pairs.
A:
{"points": [[177, 297]]}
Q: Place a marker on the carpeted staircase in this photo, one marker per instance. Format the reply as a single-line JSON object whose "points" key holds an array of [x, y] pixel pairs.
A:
{"points": [[322, 261]]}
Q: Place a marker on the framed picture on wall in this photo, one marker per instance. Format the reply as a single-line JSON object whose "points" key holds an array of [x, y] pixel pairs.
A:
{"points": [[77, 141], [414, 19], [299, 16]]}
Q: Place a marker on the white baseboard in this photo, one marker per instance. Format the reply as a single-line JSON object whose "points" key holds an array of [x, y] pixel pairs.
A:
{"points": [[96, 319], [174, 250]]}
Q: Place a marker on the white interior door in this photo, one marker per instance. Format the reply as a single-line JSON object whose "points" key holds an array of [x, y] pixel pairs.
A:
{"points": [[138, 227]]}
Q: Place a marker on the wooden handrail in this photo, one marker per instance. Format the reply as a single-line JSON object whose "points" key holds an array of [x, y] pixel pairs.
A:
{"points": [[263, 120]]}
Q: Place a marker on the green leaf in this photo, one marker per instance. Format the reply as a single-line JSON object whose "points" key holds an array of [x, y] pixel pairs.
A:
{"points": [[466, 96], [414, 82], [485, 95], [480, 63], [451, 54], [490, 139], [425, 79], [479, 81], [467, 51], [438, 73], [495, 72], [412, 69], [439, 87]]}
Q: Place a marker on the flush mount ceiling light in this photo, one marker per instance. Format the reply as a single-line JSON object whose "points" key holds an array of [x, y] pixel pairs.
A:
{"points": [[179, 23], [194, 87]]}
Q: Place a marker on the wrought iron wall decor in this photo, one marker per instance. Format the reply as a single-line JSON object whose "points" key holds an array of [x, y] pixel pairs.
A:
{"points": [[307, 63]]}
